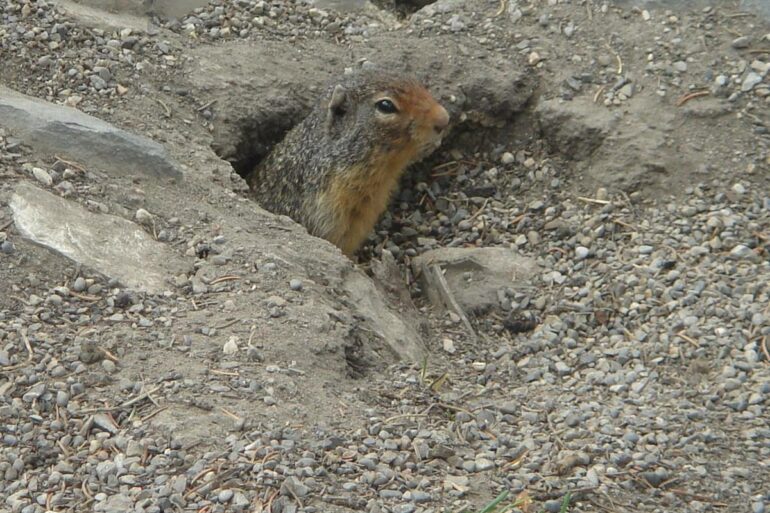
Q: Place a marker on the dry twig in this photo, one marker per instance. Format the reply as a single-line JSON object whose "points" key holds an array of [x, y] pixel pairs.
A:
{"points": [[599, 92], [691, 340], [165, 107], [27, 344], [437, 276], [595, 201], [224, 278], [686, 98], [502, 8]]}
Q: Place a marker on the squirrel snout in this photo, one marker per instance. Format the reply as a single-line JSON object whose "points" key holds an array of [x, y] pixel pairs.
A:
{"points": [[441, 120]]}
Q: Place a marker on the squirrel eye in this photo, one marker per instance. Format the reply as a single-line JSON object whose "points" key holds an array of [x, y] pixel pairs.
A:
{"points": [[386, 107]]}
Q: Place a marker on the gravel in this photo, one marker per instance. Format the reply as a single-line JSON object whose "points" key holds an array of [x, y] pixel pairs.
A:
{"points": [[643, 383]]}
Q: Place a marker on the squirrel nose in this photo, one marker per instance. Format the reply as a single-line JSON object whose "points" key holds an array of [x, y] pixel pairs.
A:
{"points": [[442, 119]]}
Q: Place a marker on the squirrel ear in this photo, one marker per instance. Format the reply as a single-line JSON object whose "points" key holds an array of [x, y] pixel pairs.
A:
{"points": [[337, 102]]}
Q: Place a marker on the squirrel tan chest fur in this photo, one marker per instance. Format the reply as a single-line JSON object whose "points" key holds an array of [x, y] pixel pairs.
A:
{"points": [[336, 170]]}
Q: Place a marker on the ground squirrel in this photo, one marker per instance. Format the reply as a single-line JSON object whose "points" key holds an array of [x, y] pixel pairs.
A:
{"points": [[336, 170]]}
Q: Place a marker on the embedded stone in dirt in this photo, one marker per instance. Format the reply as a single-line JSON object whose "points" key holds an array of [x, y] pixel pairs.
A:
{"points": [[69, 133], [474, 275], [394, 333], [111, 245]]}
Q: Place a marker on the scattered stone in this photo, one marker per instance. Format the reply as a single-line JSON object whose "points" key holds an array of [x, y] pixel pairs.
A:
{"points": [[42, 176], [752, 79], [741, 42], [231, 346]]}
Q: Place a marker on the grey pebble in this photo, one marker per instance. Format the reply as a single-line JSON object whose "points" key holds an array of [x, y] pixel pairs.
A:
{"points": [[741, 42], [295, 284], [752, 79], [645, 250], [79, 285], [581, 252], [483, 464], [62, 398]]}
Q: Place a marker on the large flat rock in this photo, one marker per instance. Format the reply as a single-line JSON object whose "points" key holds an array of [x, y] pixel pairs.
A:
{"points": [[69, 133], [108, 244]]}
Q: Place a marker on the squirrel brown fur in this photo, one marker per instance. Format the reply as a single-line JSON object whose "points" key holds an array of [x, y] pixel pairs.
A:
{"points": [[335, 171]]}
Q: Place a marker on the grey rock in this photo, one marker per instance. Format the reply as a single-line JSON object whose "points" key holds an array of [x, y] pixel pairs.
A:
{"points": [[34, 393], [751, 80], [628, 90], [79, 285], [389, 326], [656, 478], [42, 176], [742, 251], [52, 129], [119, 503], [98, 82], [132, 256], [294, 487], [483, 464], [62, 398], [418, 496], [741, 42]]}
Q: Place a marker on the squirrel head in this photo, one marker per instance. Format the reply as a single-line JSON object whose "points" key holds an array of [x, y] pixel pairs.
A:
{"points": [[394, 113]]}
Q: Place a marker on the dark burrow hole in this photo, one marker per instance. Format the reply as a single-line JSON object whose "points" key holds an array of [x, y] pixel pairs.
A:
{"points": [[256, 138], [402, 8]]}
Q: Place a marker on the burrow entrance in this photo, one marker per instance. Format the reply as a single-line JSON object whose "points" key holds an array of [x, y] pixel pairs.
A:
{"points": [[402, 8]]}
